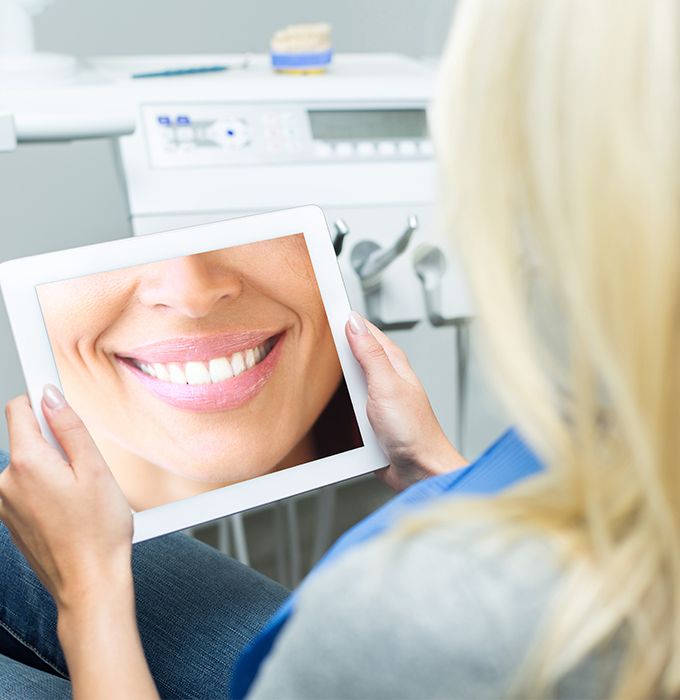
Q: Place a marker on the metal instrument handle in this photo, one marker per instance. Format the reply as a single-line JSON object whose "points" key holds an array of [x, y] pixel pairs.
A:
{"points": [[379, 259], [341, 230]]}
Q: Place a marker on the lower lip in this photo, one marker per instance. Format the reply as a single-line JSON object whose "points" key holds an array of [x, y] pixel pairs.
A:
{"points": [[207, 398]]}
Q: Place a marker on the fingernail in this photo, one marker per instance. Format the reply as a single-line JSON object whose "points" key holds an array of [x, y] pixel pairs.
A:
{"points": [[53, 397], [357, 324]]}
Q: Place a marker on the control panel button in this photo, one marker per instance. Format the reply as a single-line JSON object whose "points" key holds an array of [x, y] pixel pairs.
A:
{"points": [[408, 148], [231, 133], [322, 149], [184, 134], [426, 148], [344, 149], [366, 149], [387, 148]]}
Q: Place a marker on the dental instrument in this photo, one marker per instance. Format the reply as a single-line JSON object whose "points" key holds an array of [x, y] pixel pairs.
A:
{"points": [[370, 260], [429, 263]]}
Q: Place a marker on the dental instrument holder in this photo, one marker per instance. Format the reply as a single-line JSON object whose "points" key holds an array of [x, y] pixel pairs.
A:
{"points": [[429, 263], [341, 230], [369, 261]]}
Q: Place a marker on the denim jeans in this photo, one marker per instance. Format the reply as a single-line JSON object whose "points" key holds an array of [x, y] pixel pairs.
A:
{"points": [[196, 608]]}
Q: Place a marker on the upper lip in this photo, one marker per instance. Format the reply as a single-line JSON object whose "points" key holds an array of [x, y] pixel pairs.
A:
{"points": [[198, 348]]}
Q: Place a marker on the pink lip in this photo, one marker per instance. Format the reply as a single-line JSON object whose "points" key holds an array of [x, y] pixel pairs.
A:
{"points": [[198, 349], [205, 398]]}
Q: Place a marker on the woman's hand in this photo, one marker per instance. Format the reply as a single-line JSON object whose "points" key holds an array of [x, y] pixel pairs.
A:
{"points": [[73, 524], [399, 410], [69, 518]]}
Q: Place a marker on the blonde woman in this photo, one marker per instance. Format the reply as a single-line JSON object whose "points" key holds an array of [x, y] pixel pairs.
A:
{"points": [[556, 123]]}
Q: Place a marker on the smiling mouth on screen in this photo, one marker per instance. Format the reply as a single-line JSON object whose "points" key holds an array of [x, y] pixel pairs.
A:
{"points": [[205, 374]]}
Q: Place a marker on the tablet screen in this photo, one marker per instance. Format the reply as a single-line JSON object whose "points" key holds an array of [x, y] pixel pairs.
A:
{"points": [[202, 371]]}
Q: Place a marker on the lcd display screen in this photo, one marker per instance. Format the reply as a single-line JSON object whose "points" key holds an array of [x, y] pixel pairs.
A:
{"points": [[364, 124]]}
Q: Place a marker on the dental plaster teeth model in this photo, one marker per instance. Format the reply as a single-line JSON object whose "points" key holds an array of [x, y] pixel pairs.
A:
{"points": [[302, 48]]}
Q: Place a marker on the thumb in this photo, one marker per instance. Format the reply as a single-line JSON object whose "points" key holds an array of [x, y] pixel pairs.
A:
{"points": [[68, 429], [370, 353]]}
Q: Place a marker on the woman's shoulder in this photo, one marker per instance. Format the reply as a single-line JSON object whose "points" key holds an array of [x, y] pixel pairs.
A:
{"points": [[446, 611]]}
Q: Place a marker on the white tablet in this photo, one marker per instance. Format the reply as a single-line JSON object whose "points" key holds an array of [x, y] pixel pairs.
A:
{"points": [[209, 363]]}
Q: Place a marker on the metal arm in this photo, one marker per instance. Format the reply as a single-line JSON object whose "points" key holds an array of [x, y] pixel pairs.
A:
{"points": [[369, 261], [429, 263], [341, 230]]}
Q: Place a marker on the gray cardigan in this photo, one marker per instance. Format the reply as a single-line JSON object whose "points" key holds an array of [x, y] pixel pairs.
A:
{"points": [[449, 613]]}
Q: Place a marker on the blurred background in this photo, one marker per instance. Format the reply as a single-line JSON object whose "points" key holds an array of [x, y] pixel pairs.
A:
{"points": [[59, 195], [56, 196]]}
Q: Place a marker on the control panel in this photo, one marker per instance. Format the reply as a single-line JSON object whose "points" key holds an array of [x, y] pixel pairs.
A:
{"points": [[200, 135]]}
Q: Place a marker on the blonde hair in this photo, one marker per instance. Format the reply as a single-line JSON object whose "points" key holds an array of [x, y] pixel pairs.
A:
{"points": [[557, 124]]}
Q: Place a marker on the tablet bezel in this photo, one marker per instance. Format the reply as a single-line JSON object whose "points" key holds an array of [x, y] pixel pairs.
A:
{"points": [[19, 279]]}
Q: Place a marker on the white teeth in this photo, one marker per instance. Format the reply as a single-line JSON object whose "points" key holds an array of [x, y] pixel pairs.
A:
{"points": [[216, 370], [220, 369], [177, 375], [238, 364], [196, 373], [250, 358], [161, 372]]}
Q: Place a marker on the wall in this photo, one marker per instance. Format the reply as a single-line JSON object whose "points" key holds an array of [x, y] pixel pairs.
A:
{"points": [[58, 196]]}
